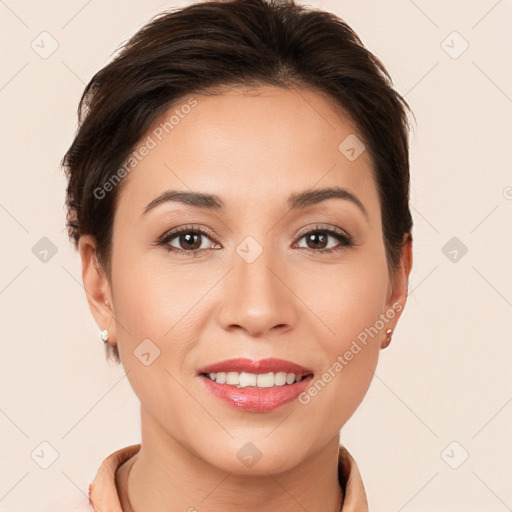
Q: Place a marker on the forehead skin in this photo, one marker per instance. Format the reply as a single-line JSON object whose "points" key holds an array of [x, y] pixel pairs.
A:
{"points": [[252, 147]]}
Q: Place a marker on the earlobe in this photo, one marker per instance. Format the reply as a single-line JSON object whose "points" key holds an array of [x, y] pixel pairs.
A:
{"points": [[97, 288], [399, 285], [387, 340]]}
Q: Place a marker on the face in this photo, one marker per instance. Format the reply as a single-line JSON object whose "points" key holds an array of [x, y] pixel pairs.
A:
{"points": [[257, 272]]}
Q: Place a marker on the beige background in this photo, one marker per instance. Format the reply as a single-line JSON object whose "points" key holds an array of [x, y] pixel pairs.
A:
{"points": [[446, 375]]}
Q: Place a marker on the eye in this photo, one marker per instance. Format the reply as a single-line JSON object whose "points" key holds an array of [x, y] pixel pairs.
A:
{"points": [[193, 240], [317, 240], [187, 239]]}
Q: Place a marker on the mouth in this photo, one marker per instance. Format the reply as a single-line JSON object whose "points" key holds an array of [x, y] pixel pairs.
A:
{"points": [[264, 373], [256, 386]]}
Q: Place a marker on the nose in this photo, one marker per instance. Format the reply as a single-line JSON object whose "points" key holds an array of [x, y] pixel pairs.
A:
{"points": [[257, 297]]}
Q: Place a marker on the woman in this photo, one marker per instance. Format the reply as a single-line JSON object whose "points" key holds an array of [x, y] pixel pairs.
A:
{"points": [[238, 193]]}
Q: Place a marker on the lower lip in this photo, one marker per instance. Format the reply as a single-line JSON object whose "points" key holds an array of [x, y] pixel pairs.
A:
{"points": [[257, 399]]}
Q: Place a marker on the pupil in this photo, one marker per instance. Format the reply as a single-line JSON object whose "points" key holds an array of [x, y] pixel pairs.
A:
{"points": [[313, 236], [189, 239]]}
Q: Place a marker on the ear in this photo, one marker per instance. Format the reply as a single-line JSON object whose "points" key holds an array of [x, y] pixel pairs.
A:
{"points": [[97, 288], [399, 282]]}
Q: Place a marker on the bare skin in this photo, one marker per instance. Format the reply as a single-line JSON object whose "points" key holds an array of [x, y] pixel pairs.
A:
{"points": [[294, 301]]}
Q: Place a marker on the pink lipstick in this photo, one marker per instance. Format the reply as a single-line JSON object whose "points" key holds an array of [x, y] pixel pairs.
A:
{"points": [[256, 386]]}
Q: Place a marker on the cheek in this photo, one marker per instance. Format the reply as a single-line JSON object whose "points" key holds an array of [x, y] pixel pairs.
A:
{"points": [[350, 356], [152, 296], [350, 308], [151, 306], [161, 302], [347, 299]]}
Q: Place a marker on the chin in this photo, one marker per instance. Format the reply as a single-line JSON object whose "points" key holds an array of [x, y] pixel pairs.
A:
{"points": [[254, 455]]}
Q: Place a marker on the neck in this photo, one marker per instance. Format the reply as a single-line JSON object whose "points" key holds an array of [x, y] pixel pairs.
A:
{"points": [[166, 475]]}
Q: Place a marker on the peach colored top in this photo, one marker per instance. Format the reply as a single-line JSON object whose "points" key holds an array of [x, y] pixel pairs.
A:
{"points": [[103, 496]]}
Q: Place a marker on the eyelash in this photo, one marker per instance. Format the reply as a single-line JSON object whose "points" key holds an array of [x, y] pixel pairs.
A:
{"points": [[345, 239]]}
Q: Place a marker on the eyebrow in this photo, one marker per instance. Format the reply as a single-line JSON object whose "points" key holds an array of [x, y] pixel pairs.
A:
{"points": [[297, 200]]}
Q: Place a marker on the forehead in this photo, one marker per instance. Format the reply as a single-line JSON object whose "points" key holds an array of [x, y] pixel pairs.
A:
{"points": [[249, 146]]}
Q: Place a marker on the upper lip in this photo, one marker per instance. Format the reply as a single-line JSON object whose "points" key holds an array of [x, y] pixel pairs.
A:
{"points": [[268, 365]]}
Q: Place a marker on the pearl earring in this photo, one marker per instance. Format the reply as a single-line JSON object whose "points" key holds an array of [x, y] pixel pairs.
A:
{"points": [[387, 341], [104, 335]]}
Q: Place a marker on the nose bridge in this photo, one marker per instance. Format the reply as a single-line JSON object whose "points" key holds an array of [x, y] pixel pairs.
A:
{"points": [[255, 297]]}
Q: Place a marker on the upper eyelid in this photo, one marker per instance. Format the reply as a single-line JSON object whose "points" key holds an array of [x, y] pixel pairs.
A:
{"points": [[186, 229], [323, 227]]}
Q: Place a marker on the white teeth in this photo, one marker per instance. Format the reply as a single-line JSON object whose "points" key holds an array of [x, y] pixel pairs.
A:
{"points": [[247, 379], [280, 378], [266, 380], [290, 378], [261, 380], [233, 378]]}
